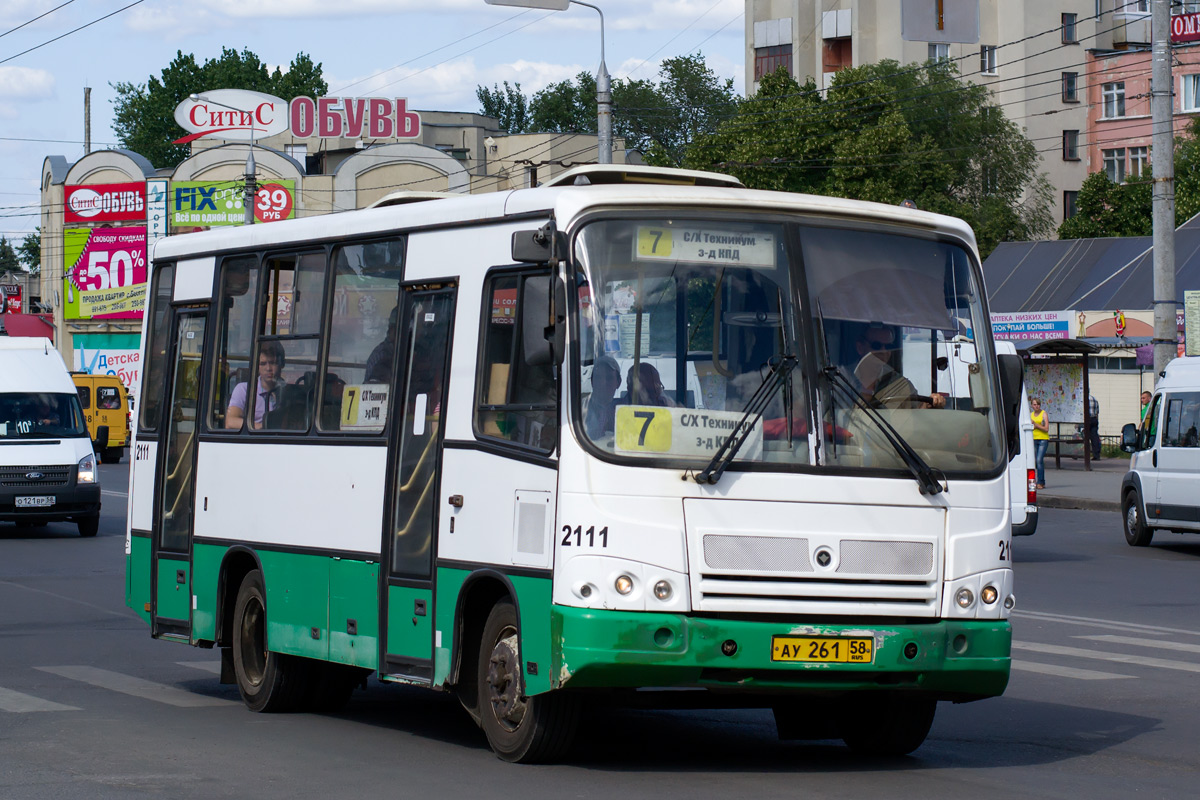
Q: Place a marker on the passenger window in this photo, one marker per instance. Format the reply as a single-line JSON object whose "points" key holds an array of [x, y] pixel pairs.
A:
{"points": [[235, 340], [1150, 425], [362, 337], [107, 398], [85, 396], [515, 401], [1182, 420], [295, 294], [154, 382], [285, 385]]}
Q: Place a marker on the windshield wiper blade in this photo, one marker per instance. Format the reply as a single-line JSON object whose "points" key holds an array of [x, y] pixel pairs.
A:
{"points": [[926, 479], [754, 409]]}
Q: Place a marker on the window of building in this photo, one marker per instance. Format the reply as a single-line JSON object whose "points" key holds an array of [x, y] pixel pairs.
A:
{"points": [[1068, 29], [515, 401], [1069, 204], [1114, 164], [1139, 162], [1070, 87], [1133, 7], [939, 51], [770, 59], [1189, 92], [1114, 100], [987, 59], [1070, 146]]}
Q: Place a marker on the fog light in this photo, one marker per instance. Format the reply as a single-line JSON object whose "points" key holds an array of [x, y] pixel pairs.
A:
{"points": [[729, 647], [989, 595], [911, 650], [1009, 602], [624, 584], [964, 598], [585, 590], [662, 590]]}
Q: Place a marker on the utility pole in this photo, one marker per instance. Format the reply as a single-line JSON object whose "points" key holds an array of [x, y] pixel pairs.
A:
{"points": [[1163, 170], [87, 120]]}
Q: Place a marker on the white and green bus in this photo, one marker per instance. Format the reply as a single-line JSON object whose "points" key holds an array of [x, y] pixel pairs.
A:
{"points": [[633, 430]]}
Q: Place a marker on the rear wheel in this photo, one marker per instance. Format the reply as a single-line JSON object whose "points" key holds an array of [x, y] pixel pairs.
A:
{"points": [[1137, 534], [89, 525], [267, 681], [519, 728], [111, 455], [891, 725]]}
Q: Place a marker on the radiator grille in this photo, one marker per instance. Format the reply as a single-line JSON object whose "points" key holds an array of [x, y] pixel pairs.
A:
{"points": [[757, 553], [56, 475], [864, 557]]}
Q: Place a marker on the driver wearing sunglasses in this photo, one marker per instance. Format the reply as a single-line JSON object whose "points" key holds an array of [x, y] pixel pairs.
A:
{"points": [[879, 380]]}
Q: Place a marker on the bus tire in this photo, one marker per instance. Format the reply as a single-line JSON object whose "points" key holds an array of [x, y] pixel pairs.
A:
{"points": [[268, 681], [1137, 533], [521, 729], [89, 525], [894, 727]]}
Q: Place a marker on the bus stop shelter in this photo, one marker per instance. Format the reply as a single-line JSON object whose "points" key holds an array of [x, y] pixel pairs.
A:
{"points": [[1056, 370]]}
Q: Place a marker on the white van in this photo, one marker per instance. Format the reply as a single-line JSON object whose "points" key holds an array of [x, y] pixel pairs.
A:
{"points": [[1160, 489], [47, 467], [1022, 470]]}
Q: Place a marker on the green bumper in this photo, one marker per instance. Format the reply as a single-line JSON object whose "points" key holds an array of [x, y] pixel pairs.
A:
{"points": [[954, 660]]}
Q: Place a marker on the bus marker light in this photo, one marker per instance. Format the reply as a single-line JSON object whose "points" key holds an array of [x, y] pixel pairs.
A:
{"points": [[1009, 602], [624, 584], [989, 595], [585, 590], [729, 647], [965, 597], [662, 590]]}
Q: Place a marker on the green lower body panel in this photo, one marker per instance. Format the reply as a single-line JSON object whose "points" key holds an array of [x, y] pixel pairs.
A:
{"points": [[137, 577], [174, 600], [961, 660]]}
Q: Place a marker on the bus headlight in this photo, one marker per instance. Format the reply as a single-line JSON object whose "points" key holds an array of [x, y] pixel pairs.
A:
{"points": [[989, 595], [662, 590], [623, 584], [964, 597], [87, 469]]}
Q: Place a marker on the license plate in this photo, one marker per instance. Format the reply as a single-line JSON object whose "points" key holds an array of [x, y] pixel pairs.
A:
{"points": [[40, 501], [823, 649]]}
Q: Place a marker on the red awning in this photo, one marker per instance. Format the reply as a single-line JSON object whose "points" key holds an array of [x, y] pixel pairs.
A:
{"points": [[37, 325]]}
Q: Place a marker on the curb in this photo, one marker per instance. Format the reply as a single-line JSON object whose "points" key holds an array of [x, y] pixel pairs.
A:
{"points": [[1082, 503]]}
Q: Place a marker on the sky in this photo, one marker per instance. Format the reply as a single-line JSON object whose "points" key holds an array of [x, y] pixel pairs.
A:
{"points": [[366, 47]]}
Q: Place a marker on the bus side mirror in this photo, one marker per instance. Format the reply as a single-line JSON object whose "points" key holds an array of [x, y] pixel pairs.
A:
{"points": [[1012, 378], [102, 437], [1129, 437], [543, 319], [540, 246]]}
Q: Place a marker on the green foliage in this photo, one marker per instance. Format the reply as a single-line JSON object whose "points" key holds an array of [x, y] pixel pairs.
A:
{"points": [[30, 251], [888, 133], [143, 118], [8, 257], [509, 105], [565, 107]]}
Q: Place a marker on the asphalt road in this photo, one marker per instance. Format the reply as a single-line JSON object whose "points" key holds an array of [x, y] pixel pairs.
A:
{"points": [[1102, 701]]}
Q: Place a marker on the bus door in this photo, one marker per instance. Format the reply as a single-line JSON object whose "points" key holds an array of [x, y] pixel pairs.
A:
{"points": [[174, 499], [410, 534]]}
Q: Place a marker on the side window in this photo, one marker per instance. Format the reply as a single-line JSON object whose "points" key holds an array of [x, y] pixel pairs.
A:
{"points": [[1182, 420], [514, 401], [235, 341], [158, 339], [1150, 424], [107, 398], [362, 337], [85, 396]]}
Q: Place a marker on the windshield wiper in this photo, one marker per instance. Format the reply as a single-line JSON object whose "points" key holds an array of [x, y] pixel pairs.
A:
{"points": [[926, 479], [755, 408]]}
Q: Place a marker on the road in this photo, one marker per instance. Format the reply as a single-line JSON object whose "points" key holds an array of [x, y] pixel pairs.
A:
{"points": [[1102, 701]]}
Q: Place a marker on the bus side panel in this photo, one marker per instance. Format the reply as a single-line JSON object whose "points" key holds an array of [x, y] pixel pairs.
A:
{"points": [[174, 588], [408, 633], [297, 603], [206, 571], [354, 606], [137, 575]]}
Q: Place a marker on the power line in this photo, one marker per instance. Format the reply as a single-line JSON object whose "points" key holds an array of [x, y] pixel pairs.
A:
{"points": [[76, 30], [35, 19]]}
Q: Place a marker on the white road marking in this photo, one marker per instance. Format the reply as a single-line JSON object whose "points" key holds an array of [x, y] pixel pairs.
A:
{"points": [[19, 703], [1066, 672], [114, 494], [208, 666], [1182, 647], [1119, 658], [136, 687], [1110, 624]]}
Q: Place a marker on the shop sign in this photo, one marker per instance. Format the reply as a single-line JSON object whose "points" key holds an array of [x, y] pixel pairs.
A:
{"points": [[240, 115], [108, 202], [213, 203], [1032, 325], [1185, 28], [234, 115], [105, 272], [10, 293]]}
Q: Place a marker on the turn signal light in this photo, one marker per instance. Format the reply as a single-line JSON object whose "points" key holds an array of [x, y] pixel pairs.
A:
{"points": [[1031, 491]]}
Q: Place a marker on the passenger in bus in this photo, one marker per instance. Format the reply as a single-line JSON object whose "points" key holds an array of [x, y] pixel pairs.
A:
{"points": [[271, 360], [599, 418], [878, 381], [645, 387], [379, 363]]}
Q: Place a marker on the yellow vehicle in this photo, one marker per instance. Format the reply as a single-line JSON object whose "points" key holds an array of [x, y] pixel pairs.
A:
{"points": [[105, 402]]}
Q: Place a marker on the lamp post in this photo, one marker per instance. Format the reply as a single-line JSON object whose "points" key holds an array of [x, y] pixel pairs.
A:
{"points": [[251, 167], [603, 81]]}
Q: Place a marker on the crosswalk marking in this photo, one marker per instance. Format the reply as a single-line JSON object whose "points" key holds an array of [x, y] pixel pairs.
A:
{"points": [[208, 666], [18, 703], [1092, 622], [1120, 658], [1066, 672], [136, 687], [1182, 647]]}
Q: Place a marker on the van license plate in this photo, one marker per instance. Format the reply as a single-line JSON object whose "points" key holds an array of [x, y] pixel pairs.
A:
{"points": [[40, 501], [823, 649]]}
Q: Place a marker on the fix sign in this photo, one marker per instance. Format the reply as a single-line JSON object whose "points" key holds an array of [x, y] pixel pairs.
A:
{"points": [[242, 115]]}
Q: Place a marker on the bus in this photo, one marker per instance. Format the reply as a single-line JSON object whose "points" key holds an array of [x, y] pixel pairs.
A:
{"points": [[633, 433]]}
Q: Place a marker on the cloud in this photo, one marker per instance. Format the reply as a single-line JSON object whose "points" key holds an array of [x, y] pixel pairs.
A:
{"points": [[26, 83]]}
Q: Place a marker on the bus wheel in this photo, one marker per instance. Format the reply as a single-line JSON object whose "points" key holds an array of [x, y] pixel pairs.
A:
{"points": [[89, 525], [519, 728], [267, 681], [888, 725]]}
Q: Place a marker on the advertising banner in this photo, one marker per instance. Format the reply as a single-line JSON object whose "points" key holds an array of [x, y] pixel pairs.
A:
{"points": [[156, 210], [10, 293], [240, 115], [111, 354], [214, 203], [1185, 28], [105, 271], [108, 202], [1032, 325], [1060, 387]]}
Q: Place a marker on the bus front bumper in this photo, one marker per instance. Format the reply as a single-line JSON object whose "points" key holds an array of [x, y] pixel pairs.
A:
{"points": [[952, 660]]}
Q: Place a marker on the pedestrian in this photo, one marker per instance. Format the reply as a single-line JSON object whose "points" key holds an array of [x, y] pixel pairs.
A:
{"points": [[1041, 439], [1145, 404], [1093, 427]]}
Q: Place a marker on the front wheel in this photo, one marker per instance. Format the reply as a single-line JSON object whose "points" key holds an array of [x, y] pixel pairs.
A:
{"points": [[520, 728], [267, 681], [89, 525], [111, 455], [1137, 534], [891, 725]]}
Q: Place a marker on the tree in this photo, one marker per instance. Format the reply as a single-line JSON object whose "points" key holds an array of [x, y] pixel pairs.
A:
{"points": [[509, 105], [888, 133], [143, 118], [30, 251], [8, 257]]}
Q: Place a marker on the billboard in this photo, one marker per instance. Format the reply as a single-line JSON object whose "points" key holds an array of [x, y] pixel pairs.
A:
{"points": [[1032, 325], [105, 273], [243, 116], [211, 204], [111, 354], [107, 202]]}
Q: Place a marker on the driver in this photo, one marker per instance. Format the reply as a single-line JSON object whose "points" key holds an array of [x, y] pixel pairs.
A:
{"points": [[878, 381]]}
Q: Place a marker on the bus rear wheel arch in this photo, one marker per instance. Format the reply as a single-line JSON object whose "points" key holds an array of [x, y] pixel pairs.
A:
{"points": [[267, 680]]}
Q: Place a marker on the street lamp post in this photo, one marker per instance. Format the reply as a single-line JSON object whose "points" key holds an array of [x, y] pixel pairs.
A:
{"points": [[603, 81], [251, 168]]}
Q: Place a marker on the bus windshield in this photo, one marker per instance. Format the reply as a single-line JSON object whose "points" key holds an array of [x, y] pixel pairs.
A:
{"points": [[40, 415], [682, 320]]}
